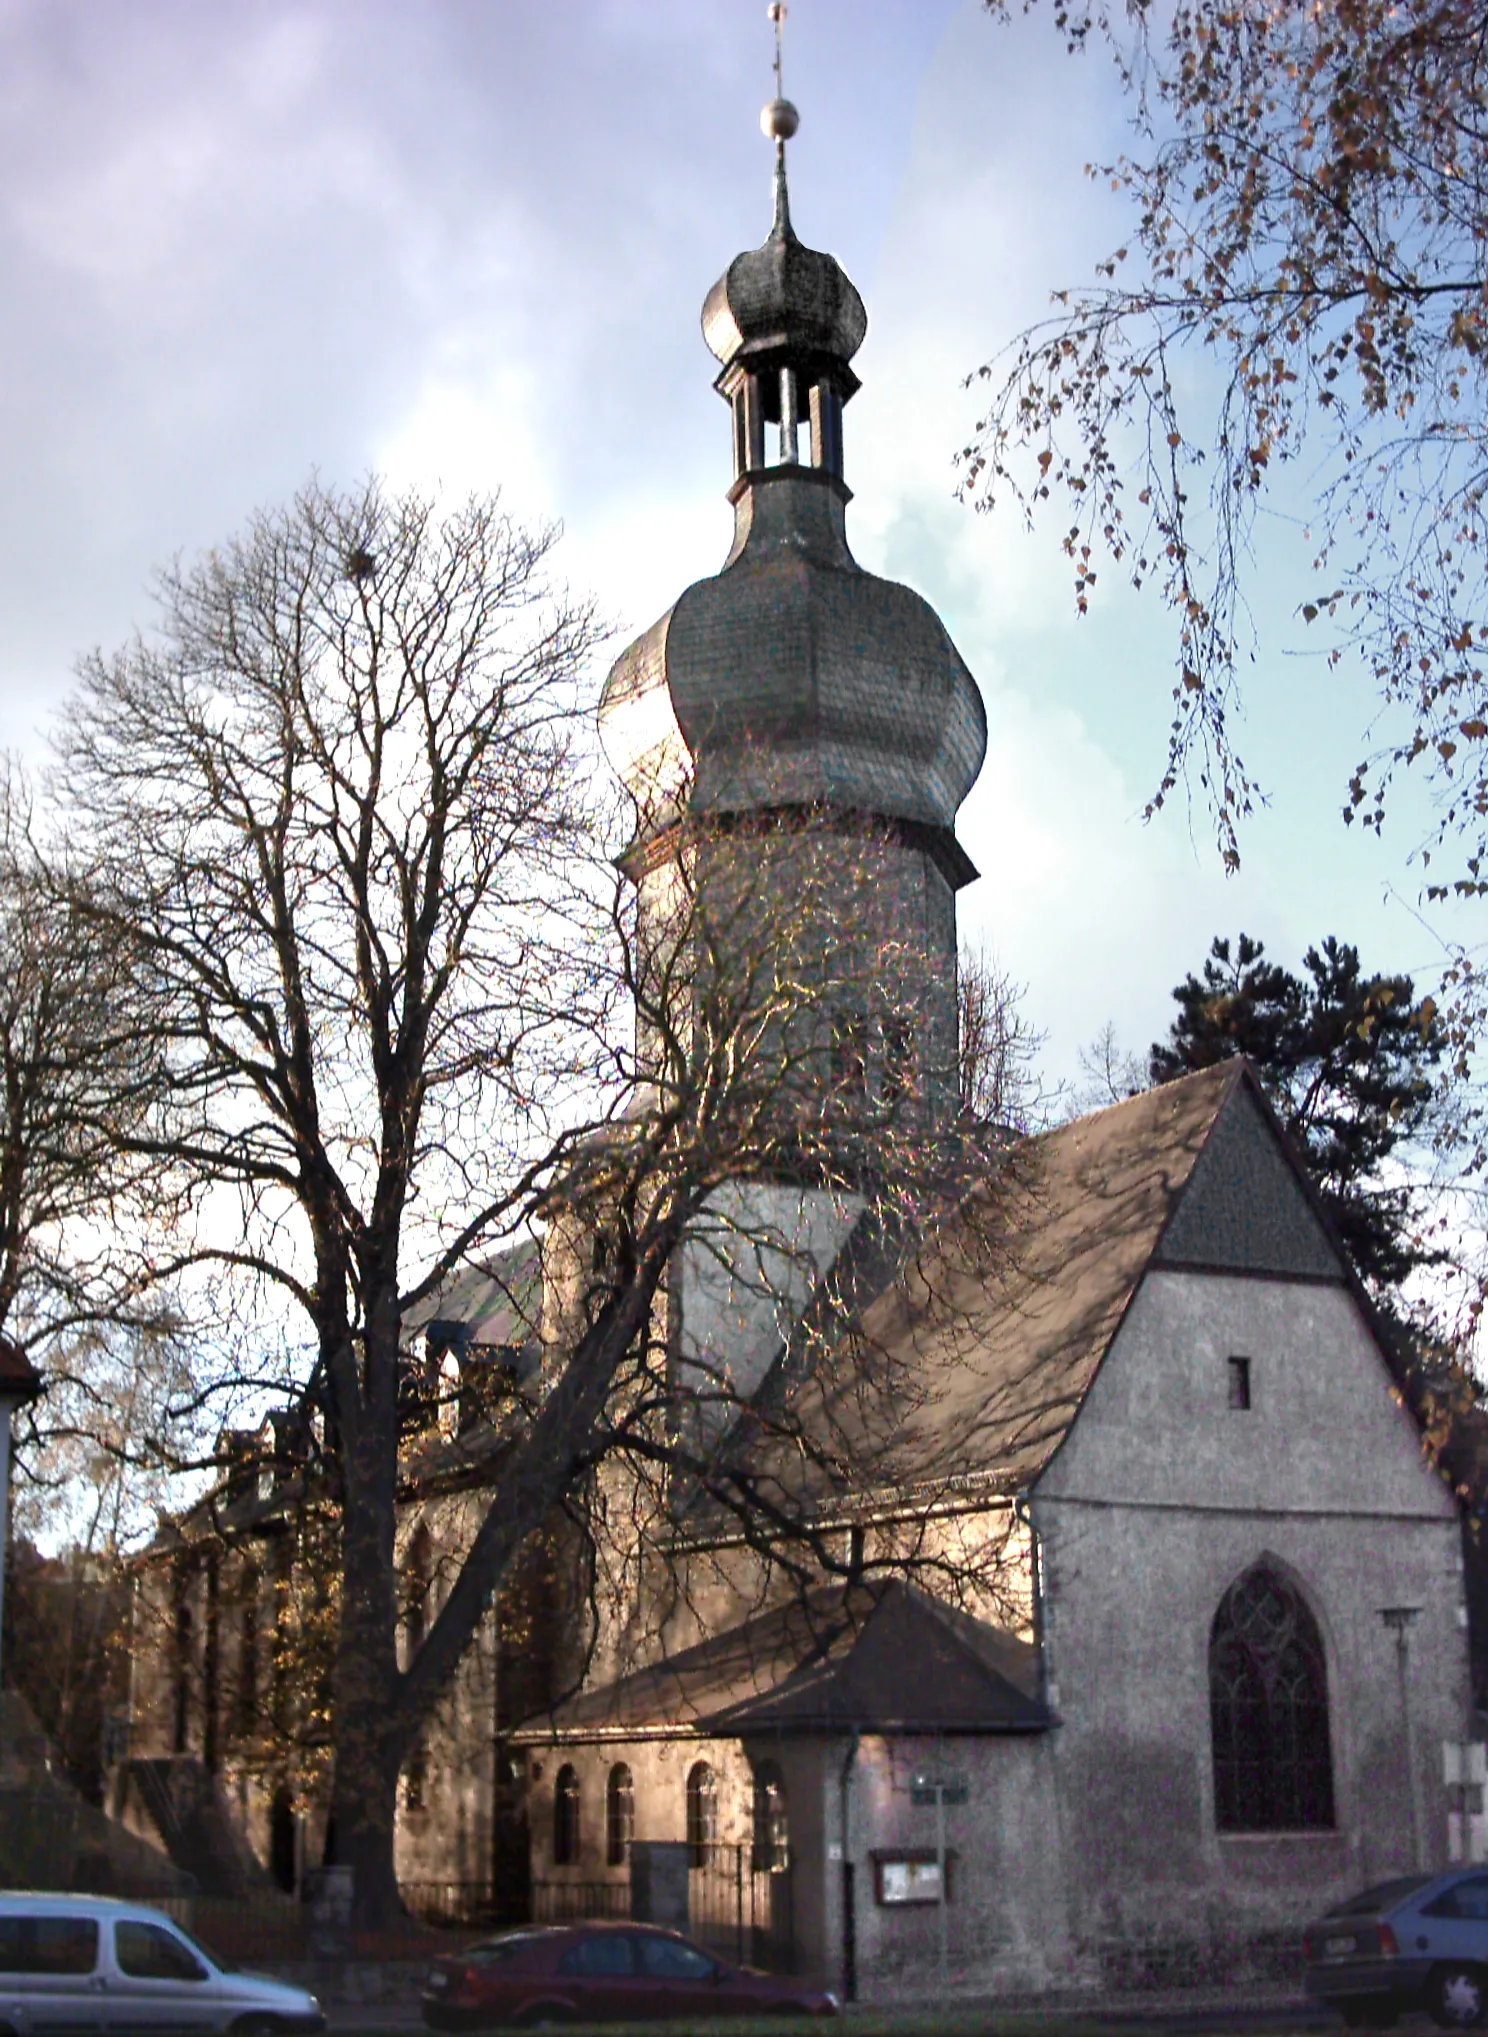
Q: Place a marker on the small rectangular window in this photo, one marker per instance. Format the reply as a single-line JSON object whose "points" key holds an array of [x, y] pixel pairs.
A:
{"points": [[1239, 1383]]}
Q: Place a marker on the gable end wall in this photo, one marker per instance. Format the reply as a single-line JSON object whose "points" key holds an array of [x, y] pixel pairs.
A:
{"points": [[1161, 1497]]}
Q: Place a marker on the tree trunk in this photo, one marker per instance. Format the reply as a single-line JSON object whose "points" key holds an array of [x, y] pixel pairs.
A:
{"points": [[364, 1805], [369, 1738], [368, 1751]]}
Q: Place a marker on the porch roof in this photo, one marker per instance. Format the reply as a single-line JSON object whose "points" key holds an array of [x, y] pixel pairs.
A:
{"points": [[880, 1658]]}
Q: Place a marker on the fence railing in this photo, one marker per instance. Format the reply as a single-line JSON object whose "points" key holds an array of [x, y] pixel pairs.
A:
{"points": [[742, 1911], [462, 1905], [254, 1928], [739, 1910], [579, 1902]]}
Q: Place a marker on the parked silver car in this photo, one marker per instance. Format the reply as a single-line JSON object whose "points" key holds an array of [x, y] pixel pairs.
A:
{"points": [[1420, 1941], [86, 1966]]}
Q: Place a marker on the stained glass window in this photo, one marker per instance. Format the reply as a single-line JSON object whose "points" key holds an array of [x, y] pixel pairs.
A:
{"points": [[1268, 1707]]}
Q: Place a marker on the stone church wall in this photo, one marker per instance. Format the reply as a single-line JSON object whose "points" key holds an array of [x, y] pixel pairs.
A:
{"points": [[1006, 1926], [1163, 1496]]}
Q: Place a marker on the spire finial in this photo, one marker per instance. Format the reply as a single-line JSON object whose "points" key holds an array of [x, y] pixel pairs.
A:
{"points": [[780, 121]]}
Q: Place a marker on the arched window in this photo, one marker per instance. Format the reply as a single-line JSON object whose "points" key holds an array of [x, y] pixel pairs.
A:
{"points": [[184, 1648], [418, 1576], [619, 1815], [771, 1827], [246, 1695], [1268, 1709], [420, 1567], [416, 1776], [566, 1817], [283, 1850], [702, 1814]]}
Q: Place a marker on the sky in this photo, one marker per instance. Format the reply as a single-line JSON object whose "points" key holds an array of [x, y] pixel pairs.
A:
{"points": [[465, 243]]}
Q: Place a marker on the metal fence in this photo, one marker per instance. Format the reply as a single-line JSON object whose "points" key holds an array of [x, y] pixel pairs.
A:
{"points": [[258, 1927], [577, 1902], [741, 1911], [458, 1905], [738, 1910]]}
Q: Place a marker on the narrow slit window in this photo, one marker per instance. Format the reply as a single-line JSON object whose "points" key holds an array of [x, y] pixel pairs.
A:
{"points": [[1240, 1384]]}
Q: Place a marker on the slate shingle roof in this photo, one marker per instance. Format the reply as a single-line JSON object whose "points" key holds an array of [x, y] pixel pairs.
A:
{"points": [[977, 1365], [881, 1658]]}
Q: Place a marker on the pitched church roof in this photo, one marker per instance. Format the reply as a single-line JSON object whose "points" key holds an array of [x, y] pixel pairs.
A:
{"points": [[983, 1358], [986, 1352], [872, 1658]]}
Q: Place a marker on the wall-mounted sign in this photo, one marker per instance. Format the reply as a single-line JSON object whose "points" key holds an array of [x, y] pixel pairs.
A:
{"points": [[911, 1877]]}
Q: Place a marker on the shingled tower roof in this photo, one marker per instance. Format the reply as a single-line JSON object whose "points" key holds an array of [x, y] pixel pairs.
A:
{"points": [[792, 678]]}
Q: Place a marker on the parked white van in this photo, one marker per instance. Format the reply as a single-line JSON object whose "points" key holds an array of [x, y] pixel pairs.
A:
{"points": [[87, 1966]]}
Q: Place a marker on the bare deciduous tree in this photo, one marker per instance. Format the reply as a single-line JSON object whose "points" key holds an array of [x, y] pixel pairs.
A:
{"points": [[337, 821], [1301, 299], [75, 1072], [999, 1082]]}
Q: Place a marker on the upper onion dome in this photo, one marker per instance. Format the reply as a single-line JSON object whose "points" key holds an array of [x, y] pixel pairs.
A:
{"points": [[783, 297]]}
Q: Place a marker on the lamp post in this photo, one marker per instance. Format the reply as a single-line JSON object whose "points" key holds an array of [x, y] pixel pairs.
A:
{"points": [[1399, 1620]]}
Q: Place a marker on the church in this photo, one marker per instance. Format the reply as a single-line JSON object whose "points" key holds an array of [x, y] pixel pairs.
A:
{"points": [[1228, 1644], [1224, 1700]]}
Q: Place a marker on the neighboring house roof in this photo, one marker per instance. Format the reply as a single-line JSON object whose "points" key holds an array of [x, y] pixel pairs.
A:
{"points": [[976, 1364], [19, 1378], [871, 1658]]}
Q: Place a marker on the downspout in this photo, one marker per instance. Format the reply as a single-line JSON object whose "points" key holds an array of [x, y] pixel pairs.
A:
{"points": [[1023, 1511], [849, 1910]]}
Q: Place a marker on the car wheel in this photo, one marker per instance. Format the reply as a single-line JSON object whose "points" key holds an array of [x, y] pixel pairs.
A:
{"points": [[1459, 1999], [545, 2016], [255, 2026]]}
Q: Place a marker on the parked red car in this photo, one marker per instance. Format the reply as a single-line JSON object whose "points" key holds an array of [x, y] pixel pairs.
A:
{"points": [[602, 1973]]}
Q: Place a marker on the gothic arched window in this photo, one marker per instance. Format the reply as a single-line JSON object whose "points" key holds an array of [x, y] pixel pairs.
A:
{"points": [[419, 1567], [619, 1815], [771, 1825], [416, 1623], [702, 1814], [566, 1817], [1268, 1709]]}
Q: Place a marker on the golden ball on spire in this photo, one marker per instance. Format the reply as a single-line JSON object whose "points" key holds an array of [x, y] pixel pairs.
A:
{"points": [[780, 120]]}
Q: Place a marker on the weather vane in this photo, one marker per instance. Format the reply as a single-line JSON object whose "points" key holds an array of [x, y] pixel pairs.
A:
{"points": [[776, 12]]}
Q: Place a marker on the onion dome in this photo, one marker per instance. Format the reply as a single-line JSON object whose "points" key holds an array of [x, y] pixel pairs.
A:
{"points": [[783, 299], [795, 679], [792, 678]]}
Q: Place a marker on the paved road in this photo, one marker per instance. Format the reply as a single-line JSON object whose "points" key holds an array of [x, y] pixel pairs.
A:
{"points": [[1247, 2019]]}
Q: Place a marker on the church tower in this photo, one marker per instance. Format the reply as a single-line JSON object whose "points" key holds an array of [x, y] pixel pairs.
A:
{"points": [[793, 691]]}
